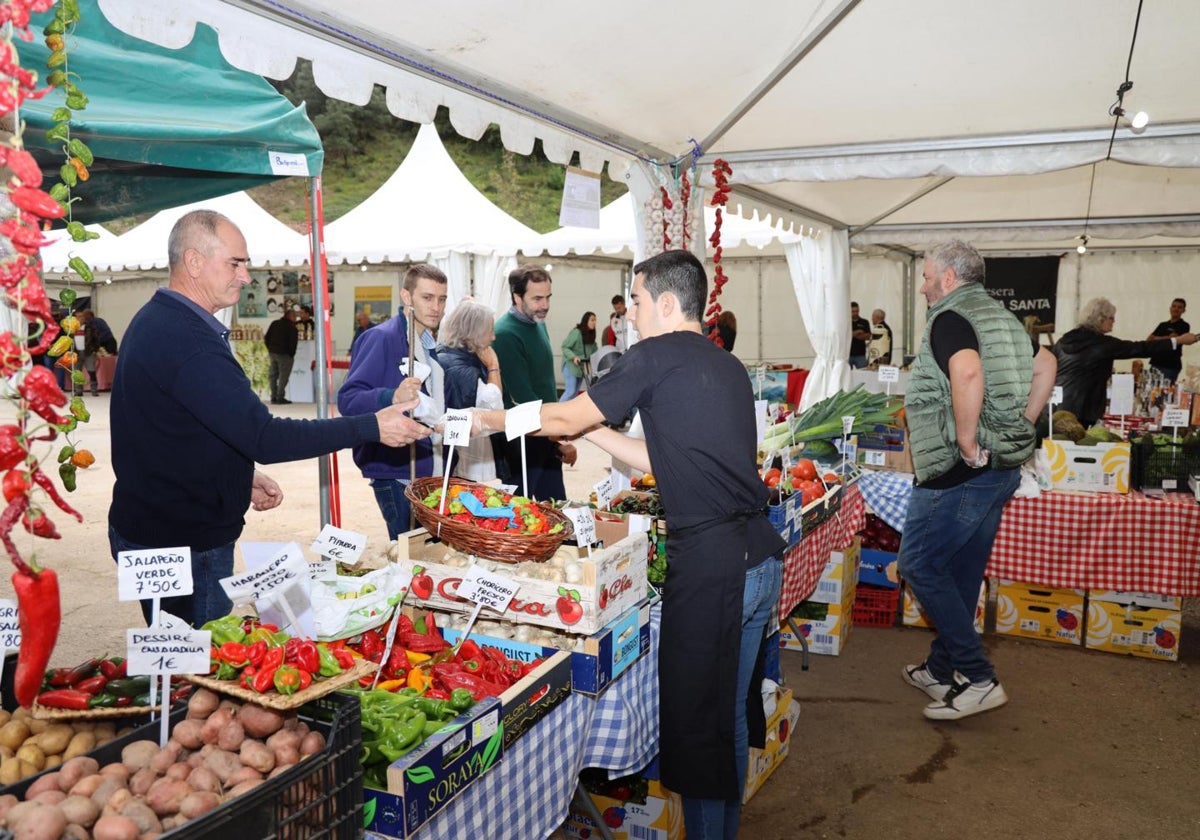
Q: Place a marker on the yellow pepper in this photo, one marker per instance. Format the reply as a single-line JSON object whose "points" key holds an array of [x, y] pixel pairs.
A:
{"points": [[69, 325], [415, 658], [392, 685], [417, 679]]}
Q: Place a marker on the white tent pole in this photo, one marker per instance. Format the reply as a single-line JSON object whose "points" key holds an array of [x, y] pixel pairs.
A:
{"points": [[320, 283]]}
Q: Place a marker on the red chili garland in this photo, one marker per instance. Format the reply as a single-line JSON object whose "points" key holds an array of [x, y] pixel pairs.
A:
{"points": [[685, 197], [721, 173]]}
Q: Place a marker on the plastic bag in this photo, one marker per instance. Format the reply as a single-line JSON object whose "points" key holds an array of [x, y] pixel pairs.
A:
{"points": [[375, 596]]}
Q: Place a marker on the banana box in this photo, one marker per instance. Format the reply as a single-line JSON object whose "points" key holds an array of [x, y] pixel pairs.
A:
{"points": [[1133, 629], [825, 626], [1103, 468], [1142, 599], [780, 726], [660, 817], [840, 575], [1036, 612], [914, 613]]}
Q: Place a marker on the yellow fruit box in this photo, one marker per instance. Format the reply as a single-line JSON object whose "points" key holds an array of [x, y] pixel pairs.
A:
{"points": [[840, 575], [1037, 612], [660, 818], [1103, 468], [780, 726], [825, 626], [1133, 629], [914, 613]]}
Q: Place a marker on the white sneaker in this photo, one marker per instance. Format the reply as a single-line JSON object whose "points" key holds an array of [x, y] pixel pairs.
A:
{"points": [[919, 676], [966, 699]]}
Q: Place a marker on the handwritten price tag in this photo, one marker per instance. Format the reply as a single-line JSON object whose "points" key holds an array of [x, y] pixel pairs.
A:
{"points": [[1175, 417], [10, 627], [487, 589], [1056, 395], [457, 428], [585, 524], [154, 650], [154, 573], [339, 545], [523, 419], [760, 420], [889, 373], [847, 423], [283, 571], [604, 492]]}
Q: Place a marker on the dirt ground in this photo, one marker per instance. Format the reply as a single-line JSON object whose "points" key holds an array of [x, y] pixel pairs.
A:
{"points": [[1091, 745]]}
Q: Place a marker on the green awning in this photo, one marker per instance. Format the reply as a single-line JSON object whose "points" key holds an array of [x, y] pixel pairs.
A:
{"points": [[167, 127]]}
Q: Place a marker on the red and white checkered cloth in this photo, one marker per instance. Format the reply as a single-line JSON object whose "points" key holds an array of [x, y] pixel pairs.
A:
{"points": [[1101, 541], [804, 562]]}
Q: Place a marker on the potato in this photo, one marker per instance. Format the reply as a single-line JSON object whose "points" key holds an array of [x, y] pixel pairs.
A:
{"points": [[54, 739], [246, 774], [143, 815], [244, 787], [115, 827], [225, 764], [33, 754], [5, 752], [40, 822], [198, 802], [117, 770], [104, 732], [257, 755], [47, 797], [259, 722], [27, 769], [140, 781], [187, 733], [50, 781], [16, 811], [6, 802], [10, 771], [88, 784], [288, 738], [286, 756], [202, 703], [14, 733], [203, 779], [210, 731], [5, 716], [52, 761], [166, 795], [80, 743], [231, 736], [165, 757], [107, 787], [120, 798], [179, 770], [76, 768], [74, 831], [37, 726], [79, 810], [313, 743], [138, 754]]}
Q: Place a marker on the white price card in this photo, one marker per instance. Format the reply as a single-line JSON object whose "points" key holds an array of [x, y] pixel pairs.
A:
{"points": [[584, 521], [523, 419], [760, 420], [1121, 401], [639, 523], [166, 621], [1175, 418], [456, 429], [284, 570], [323, 569], [339, 545], [420, 369], [10, 626], [1056, 395], [889, 373], [154, 573], [487, 589], [847, 423], [153, 650], [874, 458], [604, 492]]}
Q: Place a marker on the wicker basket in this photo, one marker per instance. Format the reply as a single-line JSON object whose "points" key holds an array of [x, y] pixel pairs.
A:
{"points": [[492, 545]]}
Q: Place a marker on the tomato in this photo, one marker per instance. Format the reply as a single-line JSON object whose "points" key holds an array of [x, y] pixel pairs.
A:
{"points": [[808, 495], [832, 478], [805, 469], [771, 477], [797, 484]]}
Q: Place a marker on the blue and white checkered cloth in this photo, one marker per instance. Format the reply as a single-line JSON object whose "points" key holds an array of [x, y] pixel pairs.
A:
{"points": [[887, 494], [526, 795]]}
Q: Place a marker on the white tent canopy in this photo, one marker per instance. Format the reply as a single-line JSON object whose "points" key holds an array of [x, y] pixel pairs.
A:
{"points": [[269, 241], [56, 255]]}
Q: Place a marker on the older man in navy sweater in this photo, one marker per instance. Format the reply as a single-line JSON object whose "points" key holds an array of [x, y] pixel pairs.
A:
{"points": [[187, 429]]}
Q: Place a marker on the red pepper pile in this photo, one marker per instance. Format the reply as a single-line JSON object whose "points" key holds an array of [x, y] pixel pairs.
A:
{"points": [[266, 660], [100, 684]]}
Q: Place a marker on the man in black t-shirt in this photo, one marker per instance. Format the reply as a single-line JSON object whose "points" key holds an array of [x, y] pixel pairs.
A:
{"points": [[724, 577], [1169, 360], [860, 334]]}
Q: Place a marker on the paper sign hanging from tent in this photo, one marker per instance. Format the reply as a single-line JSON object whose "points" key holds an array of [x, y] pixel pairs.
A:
{"points": [[153, 650], [456, 429], [288, 163], [10, 626], [154, 573], [523, 419], [581, 199]]}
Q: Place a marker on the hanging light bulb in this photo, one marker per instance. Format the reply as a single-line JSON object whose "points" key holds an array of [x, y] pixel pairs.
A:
{"points": [[1139, 122], [1081, 249]]}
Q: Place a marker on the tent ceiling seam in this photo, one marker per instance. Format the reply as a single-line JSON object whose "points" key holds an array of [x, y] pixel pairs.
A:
{"points": [[917, 196], [767, 200]]}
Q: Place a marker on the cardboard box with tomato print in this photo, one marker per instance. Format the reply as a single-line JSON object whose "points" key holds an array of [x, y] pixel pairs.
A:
{"points": [[594, 590], [780, 725]]}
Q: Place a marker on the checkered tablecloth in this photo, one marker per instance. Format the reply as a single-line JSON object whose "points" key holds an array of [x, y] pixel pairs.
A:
{"points": [[804, 562], [887, 494], [1101, 541], [527, 794]]}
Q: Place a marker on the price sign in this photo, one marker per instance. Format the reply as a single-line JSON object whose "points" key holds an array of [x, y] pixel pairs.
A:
{"points": [[1056, 395], [323, 569], [487, 589], [10, 627], [1175, 417], [874, 458], [154, 650], [507, 488], [585, 524], [760, 420], [847, 424], [523, 419], [604, 492], [456, 429], [1121, 401], [283, 571], [889, 373], [339, 545], [154, 573]]}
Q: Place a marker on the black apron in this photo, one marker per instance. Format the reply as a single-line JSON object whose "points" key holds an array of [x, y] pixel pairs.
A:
{"points": [[698, 652]]}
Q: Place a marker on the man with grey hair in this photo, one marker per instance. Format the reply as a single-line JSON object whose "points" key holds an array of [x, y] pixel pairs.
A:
{"points": [[1086, 354], [187, 429], [879, 351], [977, 386]]}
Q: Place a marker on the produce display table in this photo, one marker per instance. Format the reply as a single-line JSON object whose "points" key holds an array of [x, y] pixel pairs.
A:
{"points": [[527, 794], [805, 561], [1101, 541]]}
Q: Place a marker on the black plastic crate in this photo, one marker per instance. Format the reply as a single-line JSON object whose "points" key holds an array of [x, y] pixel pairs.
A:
{"points": [[1162, 466], [279, 808]]}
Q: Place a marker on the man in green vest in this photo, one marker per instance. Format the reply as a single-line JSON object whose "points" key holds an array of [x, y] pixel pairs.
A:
{"points": [[978, 385]]}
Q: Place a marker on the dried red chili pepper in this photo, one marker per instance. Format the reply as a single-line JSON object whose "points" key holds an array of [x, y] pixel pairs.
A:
{"points": [[38, 524], [22, 165], [40, 614], [33, 200], [41, 391]]}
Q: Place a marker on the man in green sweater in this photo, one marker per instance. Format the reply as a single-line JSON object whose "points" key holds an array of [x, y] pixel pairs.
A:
{"points": [[527, 367]]}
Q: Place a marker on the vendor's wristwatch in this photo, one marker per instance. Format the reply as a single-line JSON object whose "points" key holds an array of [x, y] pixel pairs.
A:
{"points": [[978, 462]]}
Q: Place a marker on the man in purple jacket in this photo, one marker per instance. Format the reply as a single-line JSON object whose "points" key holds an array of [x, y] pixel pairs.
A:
{"points": [[375, 381]]}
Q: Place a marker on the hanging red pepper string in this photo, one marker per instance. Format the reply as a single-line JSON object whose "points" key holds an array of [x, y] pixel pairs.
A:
{"points": [[721, 173], [685, 197]]}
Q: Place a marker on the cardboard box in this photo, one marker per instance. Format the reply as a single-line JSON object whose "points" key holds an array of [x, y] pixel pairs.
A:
{"points": [[423, 782], [1134, 630], [1142, 599], [914, 613], [825, 626], [661, 818], [1103, 468], [613, 580], [780, 727], [596, 660], [879, 568], [1036, 612], [840, 575], [886, 448]]}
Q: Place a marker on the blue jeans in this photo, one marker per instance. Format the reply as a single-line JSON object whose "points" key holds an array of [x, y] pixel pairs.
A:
{"points": [[948, 538], [208, 600], [393, 504], [858, 361], [717, 819], [570, 385]]}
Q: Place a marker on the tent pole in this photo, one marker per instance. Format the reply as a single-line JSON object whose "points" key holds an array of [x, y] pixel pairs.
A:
{"points": [[328, 503]]}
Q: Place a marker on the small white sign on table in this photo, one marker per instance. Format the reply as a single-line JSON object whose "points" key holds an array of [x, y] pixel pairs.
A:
{"points": [[584, 521], [888, 374], [280, 586], [486, 589], [519, 421], [760, 420], [337, 546], [10, 626], [161, 651], [154, 573], [1121, 401], [604, 492]]}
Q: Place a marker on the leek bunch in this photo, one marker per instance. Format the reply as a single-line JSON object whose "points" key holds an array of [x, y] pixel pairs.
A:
{"points": [[823, 421]]}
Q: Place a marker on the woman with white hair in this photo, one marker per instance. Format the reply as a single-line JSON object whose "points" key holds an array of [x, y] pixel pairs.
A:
{"points": [[1085, 356], [471, 377]]}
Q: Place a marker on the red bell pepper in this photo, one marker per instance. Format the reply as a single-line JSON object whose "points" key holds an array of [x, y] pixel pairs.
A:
{"points": [[264, 680], [234, 653], [246, 680], [306, 679], [397, 663], [344, 657], [307, 657], [469, 650], [371, 646], [256, 652], [67, 677], [272, 659], [436, 694], [423, 642]]}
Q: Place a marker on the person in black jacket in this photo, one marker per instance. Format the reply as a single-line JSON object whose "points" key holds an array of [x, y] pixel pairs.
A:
{"points": [[1085, 356], [281, 339], [1167, 359]]}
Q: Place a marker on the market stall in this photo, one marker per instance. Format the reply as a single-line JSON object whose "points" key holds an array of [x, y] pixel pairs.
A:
{"points": [[806, 560]]}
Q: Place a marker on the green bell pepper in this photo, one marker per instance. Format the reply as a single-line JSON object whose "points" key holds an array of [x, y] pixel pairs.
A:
{"points": [[225, 629], [329, 666]]}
